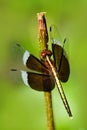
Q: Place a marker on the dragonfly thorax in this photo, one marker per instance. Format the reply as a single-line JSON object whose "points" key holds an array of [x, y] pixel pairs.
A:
{"points": [[45, 53]]}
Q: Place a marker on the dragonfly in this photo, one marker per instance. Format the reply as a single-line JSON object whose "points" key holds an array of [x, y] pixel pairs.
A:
{"points": [[44, 73]]}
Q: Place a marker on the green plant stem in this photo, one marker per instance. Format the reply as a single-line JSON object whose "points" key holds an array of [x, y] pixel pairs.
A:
{"points": [[43, 40], [49, 110]]}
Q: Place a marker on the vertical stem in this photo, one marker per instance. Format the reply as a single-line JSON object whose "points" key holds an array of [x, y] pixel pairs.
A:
{"points": [[49, 110], [43, 40]]}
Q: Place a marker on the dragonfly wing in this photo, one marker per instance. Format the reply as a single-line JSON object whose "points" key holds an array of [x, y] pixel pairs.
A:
{"points": [[61, 62], [33, 63], [40, 82]]}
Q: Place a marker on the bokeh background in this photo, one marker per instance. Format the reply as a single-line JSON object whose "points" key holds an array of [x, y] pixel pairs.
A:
{"points": [[20, 106]]}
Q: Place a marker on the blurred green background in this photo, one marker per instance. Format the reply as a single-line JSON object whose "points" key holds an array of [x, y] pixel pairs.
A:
{"points": [[21, 107]]}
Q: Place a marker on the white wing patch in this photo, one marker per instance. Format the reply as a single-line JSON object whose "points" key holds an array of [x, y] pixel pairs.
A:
{"points": [[25, 77], [25, 57], [56, 42]]}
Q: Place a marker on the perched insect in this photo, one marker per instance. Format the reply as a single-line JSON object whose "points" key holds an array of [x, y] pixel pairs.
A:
{"points": [[44, 73]]}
